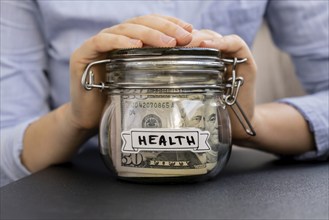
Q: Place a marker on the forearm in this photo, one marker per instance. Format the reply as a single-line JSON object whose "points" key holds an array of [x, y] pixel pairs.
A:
{"points": [[51, 140], [280, 129]]}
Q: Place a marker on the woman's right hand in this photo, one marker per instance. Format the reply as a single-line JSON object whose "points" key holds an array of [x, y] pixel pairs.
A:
{"points": [[55, 137], [150, 30]]}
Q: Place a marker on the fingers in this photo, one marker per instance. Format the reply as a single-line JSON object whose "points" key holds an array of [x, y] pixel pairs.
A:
{"points": [[149, 30], [97, 45], [155, 30], [147, 35], [188, 27], [105, 42], [198, 36], [231, 46], [171, 26]]}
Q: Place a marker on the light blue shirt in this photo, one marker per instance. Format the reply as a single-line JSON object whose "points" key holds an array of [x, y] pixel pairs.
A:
{"points": [[38, 37]]}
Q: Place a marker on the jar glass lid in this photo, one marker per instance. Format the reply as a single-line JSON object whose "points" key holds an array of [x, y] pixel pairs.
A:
{"points": [[164, 51]]}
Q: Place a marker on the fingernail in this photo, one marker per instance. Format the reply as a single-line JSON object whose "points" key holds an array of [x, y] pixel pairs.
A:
{"points": [[208, 41], [166, 39], [136, 42]]}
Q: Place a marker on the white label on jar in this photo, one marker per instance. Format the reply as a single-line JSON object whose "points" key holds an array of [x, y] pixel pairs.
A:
{"points": [[143, 139]]}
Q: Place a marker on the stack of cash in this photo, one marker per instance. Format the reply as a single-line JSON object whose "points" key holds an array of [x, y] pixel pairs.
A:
{"points": [[164, 115]]}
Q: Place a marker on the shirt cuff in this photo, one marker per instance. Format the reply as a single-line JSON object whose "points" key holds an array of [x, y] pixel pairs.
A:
{"points": [[314, 108], [11, 148]]}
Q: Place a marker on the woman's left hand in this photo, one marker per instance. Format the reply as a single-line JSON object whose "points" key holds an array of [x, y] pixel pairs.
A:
{"points": [[233, 46]]}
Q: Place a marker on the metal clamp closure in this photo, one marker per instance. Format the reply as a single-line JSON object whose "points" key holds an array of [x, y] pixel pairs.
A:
{"points": [[88, 78], [233, 87]]}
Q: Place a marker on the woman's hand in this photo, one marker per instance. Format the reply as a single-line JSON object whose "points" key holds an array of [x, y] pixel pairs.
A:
{"points": [[150, 30], [277, 125], [56, 136], [233, 46]]}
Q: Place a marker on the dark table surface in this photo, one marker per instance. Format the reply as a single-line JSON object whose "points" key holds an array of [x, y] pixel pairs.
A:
{"points": [[254, 185]]}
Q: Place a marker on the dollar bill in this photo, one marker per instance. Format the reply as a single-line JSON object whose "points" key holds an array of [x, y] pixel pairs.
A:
{"points": [[155, 112], [162, 112]]}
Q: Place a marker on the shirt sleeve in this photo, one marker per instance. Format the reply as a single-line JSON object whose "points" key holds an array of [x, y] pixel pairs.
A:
{"points": [[300, 28], [24, 83]]}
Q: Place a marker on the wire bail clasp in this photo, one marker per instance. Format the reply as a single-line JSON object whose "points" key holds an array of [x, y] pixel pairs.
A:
{"points": [[88, 77], [233, 88]]}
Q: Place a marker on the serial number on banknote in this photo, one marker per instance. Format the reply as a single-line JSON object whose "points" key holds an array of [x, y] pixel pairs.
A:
{"points": [[143, 104]]}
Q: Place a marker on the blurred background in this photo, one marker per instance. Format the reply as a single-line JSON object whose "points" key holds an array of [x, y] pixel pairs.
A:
{"points": [[276, 75]]}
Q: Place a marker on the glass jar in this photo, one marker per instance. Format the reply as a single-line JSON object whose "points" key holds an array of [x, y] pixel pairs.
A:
{"points": [[166, 117]]}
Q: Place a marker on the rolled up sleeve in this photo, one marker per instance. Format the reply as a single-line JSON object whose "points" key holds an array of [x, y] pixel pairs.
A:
{"points": [[314, 109], [300, 28], [11, 148], [24, 84]]}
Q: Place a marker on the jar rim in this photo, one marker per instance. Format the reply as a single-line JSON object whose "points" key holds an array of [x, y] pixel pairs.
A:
{"points": [[163, 51]]}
